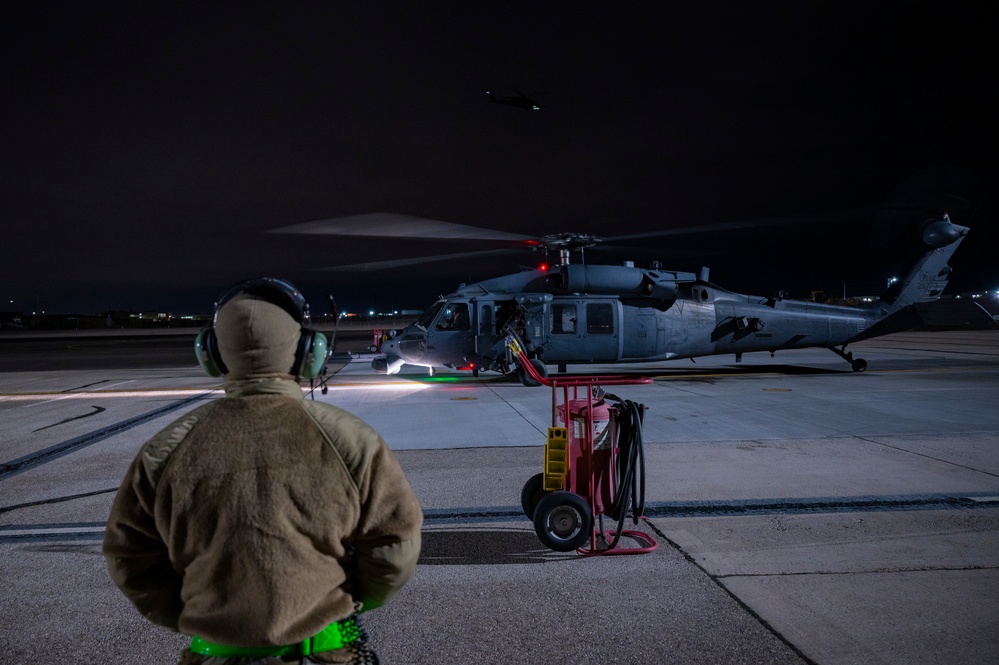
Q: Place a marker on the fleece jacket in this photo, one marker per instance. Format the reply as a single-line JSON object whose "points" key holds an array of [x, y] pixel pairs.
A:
{"points": [[260, 518]]}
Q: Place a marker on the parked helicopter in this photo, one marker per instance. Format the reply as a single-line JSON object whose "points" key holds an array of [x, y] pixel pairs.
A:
{"points": [[581, 313], [519, 100]]}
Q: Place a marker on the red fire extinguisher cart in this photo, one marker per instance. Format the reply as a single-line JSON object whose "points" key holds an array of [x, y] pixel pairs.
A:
{"points": [[589, 471]]}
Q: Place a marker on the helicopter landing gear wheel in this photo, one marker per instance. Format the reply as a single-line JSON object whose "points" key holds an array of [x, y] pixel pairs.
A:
{"points": [[531, 495], [529, 380], [858, 364], [563, 521]]}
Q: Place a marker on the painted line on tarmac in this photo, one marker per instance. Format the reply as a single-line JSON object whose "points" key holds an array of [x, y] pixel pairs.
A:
{"points": [[16, 466]]}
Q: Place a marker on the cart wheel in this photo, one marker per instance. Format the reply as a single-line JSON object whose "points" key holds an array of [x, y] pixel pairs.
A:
{"points": [[563, 521], [533, 492]]}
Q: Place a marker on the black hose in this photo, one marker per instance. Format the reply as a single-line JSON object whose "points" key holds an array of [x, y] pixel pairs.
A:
{"points": [[629, 494]]}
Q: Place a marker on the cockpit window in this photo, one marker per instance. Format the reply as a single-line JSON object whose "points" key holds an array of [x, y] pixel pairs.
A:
{"points": [[428, 316], [455, 317]]}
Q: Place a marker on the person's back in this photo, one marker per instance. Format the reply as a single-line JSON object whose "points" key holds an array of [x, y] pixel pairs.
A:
{"points": [[262, 522]]}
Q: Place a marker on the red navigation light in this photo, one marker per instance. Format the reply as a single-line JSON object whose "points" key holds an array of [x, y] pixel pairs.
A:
{"points": [[543, 267]]}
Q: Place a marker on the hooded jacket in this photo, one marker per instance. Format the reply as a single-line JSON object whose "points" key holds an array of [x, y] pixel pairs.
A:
{"points": [[260, 518]]}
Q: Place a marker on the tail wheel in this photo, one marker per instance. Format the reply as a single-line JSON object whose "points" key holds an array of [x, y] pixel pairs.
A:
{"points": [[563, 521], [531, 495]]}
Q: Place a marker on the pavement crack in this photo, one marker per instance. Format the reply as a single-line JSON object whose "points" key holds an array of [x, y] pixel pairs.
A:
{"points": [[925, 456], [717, 581], [97, 409], [16, 466], [85, 385], [58, 499]]}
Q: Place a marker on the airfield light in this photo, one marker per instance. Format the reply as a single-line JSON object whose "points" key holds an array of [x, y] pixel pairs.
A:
{"points": [[371, 312]]}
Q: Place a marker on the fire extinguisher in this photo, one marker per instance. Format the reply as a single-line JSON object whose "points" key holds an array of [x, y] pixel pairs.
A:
{"points": [[591, 439]]}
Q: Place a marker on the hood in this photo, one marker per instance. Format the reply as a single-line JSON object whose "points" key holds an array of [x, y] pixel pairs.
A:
{"points": [[256, 337]]}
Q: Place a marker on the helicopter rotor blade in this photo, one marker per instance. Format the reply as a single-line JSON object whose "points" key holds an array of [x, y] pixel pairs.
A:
{"points": [[413, 261], [835, 217], [392, 225]]}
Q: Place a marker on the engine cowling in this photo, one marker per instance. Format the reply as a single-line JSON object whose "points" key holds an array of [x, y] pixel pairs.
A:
{"points": [[619, 280]]}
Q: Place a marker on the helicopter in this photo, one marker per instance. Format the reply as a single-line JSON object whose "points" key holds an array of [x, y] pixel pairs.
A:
{"points": [[579, 313], [519, 100]]}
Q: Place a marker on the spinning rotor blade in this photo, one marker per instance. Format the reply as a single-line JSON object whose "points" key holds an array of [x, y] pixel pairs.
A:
{"points": [[392, 225], [835, 217], [402, 263]]}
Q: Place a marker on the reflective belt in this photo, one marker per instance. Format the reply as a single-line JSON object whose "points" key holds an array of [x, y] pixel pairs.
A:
{"points": [[334, 636]]}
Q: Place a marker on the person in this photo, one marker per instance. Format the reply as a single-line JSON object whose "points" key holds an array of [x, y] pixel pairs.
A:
{"points": [[262, 523]]}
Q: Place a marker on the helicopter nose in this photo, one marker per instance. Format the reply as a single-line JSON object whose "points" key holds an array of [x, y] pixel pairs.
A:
{"points": [[411, 347]]}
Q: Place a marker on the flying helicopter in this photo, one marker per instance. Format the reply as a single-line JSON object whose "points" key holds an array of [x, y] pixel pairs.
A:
{"points": [[578, 313], [519, 100]]}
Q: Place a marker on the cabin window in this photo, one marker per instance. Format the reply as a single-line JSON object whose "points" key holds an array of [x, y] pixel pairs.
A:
{"points": [[599, 319], [563, 319], [454, 317]]}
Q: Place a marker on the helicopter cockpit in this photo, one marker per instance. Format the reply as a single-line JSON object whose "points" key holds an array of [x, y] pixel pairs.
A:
{"points": [[458, 331]]}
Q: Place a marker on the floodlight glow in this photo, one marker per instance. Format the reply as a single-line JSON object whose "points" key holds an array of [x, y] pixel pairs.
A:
{"points": [[49, 397], [381, 386]]}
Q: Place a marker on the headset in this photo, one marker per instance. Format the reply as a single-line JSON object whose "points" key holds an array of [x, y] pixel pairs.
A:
{"points": [[311, 352]]}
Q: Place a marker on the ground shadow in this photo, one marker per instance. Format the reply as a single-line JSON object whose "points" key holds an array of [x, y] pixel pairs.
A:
{"points": [[476, 547]]}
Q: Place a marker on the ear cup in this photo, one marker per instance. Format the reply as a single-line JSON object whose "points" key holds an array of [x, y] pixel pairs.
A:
{"points": [[301, 352], [315, 359], [207, 351], [310, 356]]}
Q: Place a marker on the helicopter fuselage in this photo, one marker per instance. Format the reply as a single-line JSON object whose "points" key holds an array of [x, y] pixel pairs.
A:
{"points": [[622, 314], [465, 331]]}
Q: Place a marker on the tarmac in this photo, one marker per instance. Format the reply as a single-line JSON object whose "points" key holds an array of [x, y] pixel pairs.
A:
{"points": [[803, 513]]}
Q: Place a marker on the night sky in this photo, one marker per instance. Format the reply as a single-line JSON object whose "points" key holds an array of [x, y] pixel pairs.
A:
{"points": [[148, 148]]}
